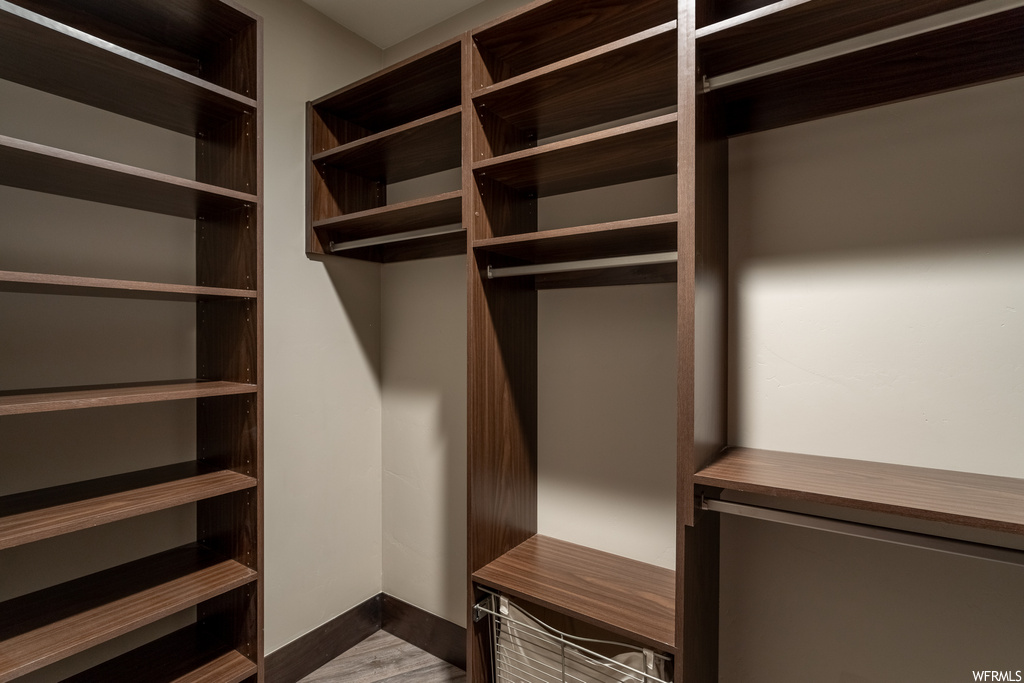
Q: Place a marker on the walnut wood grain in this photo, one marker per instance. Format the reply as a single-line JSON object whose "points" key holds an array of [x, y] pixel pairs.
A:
{"points": [[635, 151], [73, 398], [190, 655], [647, 235], [424, 84], [189, 35], [971, 53], [35, 515], [431, 246], [47, 169], [44, 54], [630, 598], [785, 28], [417, 214], [425, 146], [70, 285], [545, 32], [630, 76], [961, 498], [48, 625]]}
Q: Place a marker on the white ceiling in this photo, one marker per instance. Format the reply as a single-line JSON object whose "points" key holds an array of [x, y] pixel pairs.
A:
{"points": [[386, 22]]}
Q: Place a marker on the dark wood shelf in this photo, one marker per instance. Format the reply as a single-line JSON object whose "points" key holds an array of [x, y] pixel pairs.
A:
{"points": [[973, 500], [648, 235], [35, 515], [630, 598], [513, 45], [71, 285], [40, 168], [430, 246], [979, 51], [43, 627], [425, 146], [417, 87], [190, 655], [417, 214], [45, 54], [646, 149], [630, 76], [788, 27], [73, 398]]}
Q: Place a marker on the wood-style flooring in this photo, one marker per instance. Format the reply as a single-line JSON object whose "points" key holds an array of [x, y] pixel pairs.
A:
{"points": [[383, 658]]}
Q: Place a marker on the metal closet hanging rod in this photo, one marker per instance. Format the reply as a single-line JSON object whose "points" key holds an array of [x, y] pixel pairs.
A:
{"points": [[587, 264], [869, 40], [875, 533]]}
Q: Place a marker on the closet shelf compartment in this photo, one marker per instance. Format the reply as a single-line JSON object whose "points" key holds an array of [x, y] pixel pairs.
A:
{"points": [[417, 87], [425, 146], [788, 27], [185, 656], [627, 597], [630, 76], [544, 33], [45, 54], [620, 238], [646, 149], [46, 626], [979, 51], [35, 515], [417, 214], [71, 285], [32, 166], [73, 398], [960, 498]]}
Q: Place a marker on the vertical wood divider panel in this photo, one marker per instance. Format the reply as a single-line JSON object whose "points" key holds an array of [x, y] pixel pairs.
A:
{"points": [[702, 339], [229, 345], [502, 391]]}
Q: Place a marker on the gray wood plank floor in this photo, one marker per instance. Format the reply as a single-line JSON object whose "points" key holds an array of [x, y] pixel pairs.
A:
{"points": [[384, 658]]}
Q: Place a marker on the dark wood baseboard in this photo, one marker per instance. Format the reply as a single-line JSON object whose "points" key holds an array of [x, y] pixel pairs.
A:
{"points": [[305, 655], [428, 632]]}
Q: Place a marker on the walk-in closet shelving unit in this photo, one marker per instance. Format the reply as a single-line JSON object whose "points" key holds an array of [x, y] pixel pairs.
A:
{"points": [[399, 124], [753, 66], [540, 81], [192, 67]]}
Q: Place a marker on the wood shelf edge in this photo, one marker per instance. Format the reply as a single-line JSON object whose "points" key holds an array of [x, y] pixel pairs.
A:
{"points": [[597, 587], [960, 498], [328, 155], [45, 513], [45, 283], [71, 398]]}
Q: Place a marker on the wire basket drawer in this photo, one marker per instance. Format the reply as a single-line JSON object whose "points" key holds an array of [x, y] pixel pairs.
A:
{"points": [[526, 650]]}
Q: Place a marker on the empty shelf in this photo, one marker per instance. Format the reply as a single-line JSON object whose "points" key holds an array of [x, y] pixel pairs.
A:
{"points": [[621, 238], [974, 500], [544, 33], [646, 149], [35, 515], [41, 283], [628, 77], [791, 26], [47, 169], [42, 53], [630, 598], [417, 214], [189, 655], [48, 625], [957, 56], [409, 90], [73, 398], [416, 149]]}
